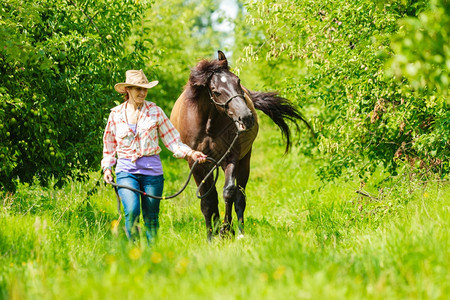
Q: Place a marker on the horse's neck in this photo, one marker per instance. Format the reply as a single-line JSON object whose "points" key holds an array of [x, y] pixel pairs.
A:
{"points": [[206, 111], [211, 117], [204, 107]]}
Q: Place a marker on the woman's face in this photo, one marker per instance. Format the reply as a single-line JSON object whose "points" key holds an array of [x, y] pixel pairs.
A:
{"points": [[137, 94]]}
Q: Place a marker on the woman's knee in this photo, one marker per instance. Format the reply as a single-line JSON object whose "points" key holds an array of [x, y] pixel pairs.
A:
{"points": [[133, 212]]}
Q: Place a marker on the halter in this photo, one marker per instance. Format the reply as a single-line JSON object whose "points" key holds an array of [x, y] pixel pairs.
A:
{"points": [[223, 105]]}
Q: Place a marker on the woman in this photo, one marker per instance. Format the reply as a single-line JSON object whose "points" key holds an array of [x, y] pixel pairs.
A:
{"points": [[132, 134]]}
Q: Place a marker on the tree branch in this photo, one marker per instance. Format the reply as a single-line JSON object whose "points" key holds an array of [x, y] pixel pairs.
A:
{"points": [[366, 194], [87, 16]]}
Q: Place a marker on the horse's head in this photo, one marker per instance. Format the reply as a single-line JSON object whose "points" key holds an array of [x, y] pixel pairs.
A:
{"points": [[225, 91]]}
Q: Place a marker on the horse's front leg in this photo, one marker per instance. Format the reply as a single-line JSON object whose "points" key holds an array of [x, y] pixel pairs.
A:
{"points": [[210, 203], [209, 206], [229, 196]]}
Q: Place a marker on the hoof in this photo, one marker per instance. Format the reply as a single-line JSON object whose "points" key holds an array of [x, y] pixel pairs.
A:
{"points": [[240, 236], [226, 230]]}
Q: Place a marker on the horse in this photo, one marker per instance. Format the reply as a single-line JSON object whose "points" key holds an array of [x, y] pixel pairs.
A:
{"points": [[213, 110]]}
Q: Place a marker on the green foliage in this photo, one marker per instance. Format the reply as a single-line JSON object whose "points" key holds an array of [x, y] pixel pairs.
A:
{"points": [[303, 239], [178, 34], [422, 52], [333, 59], [59, 60], [300, 242]]}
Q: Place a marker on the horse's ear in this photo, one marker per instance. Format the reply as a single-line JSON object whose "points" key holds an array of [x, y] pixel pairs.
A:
{"points": [[221, 55]]}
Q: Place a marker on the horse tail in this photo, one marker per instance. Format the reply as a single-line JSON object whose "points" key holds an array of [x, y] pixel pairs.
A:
{"points": [[279, 110]]}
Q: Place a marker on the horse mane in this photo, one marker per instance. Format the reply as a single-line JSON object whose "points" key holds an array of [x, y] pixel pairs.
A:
{"points": [[201, 74]]}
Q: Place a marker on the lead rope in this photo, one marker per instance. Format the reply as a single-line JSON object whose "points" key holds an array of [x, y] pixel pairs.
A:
{"points": [[118, 206], [217, 164], [215, 168]]}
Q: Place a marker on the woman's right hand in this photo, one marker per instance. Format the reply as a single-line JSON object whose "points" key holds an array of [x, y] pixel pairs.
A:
{"points": [[107, 176], [197, 155]]}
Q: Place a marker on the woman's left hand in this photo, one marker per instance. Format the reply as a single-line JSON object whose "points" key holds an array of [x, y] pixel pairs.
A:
{"points": [[197, 155]]}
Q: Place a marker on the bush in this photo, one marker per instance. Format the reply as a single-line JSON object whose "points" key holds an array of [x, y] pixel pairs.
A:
{"points": [[59, 61], [337, 60]]}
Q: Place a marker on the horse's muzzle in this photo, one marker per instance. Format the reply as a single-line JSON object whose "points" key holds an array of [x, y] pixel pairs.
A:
{"points": [[245, 123]]}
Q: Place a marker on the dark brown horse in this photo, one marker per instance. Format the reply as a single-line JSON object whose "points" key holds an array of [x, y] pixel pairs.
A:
{"points": [[212, 109]]}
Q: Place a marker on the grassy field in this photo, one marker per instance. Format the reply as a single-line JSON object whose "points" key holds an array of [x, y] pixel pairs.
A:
{"points": [[301, 242]]}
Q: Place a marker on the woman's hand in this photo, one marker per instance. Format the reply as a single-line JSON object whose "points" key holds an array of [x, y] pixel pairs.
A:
{"points": [[197, 155], [107, 176]]}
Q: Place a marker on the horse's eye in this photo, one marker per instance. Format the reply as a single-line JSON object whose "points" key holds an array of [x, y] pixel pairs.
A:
{"points": [[217, 94]]}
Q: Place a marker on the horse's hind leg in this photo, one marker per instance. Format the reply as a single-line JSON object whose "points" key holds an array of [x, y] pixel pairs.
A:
{"points": [[242, 176]]}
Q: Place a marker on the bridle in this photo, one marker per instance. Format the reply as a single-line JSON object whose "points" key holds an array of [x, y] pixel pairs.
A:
{"points": [[225, 104]]}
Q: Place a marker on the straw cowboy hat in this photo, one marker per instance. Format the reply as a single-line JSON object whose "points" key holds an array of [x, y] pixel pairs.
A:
{"points": [[135, 78]]}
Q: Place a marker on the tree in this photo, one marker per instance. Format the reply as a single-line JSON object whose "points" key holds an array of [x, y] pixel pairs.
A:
{"points": [[177, 33], [331, 58], [58, 61], [422, 53]]}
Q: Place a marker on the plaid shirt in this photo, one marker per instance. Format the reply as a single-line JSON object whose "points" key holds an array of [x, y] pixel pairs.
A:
{"points": [[119, 138]]}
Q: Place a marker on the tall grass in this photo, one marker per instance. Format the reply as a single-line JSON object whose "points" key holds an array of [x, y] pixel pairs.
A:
{"points": [[303, 240]]}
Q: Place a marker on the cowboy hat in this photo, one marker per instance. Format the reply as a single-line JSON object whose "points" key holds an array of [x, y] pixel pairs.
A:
{"points": [[135, 78]]}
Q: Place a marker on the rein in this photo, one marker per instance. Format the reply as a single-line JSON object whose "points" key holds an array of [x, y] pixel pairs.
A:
{"points": [[215, 168], [115, 185]]}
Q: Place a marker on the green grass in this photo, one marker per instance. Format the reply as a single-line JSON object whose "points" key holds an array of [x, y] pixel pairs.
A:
{"points": [[301, 242]]}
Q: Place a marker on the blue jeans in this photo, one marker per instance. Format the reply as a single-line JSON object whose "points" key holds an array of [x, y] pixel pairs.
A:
{"points": [[132, 202]]}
